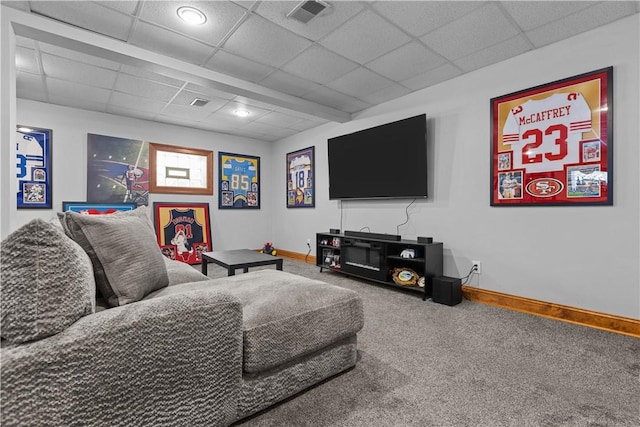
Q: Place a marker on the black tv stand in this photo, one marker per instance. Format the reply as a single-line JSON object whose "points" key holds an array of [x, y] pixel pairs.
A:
{"points": [[375, 257]]}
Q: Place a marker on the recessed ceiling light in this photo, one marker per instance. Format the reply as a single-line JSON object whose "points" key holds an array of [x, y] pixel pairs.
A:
{"points": [[191, 15], [242, 113]]}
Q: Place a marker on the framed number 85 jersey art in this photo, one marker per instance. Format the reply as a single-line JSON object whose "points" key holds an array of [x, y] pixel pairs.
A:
{"points": [[239, 181]]}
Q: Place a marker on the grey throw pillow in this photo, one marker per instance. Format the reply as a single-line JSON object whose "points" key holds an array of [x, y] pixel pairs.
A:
{"points": [[46, 281], [127, 261]]}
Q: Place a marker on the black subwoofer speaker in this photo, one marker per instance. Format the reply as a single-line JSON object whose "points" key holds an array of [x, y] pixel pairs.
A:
{"points": [[447, 290]]}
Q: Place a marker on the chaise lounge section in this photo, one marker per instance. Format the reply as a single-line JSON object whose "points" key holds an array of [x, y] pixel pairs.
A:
{"points": [[193, 351]]}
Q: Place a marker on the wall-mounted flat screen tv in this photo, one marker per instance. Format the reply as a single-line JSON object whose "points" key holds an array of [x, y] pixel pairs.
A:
{"points": [[387, 161]]}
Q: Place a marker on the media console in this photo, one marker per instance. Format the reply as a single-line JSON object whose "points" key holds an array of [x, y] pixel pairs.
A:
{"points": [[376, 257]]}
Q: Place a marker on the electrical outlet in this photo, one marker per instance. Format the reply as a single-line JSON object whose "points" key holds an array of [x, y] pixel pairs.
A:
{"points": [[476, 267]]}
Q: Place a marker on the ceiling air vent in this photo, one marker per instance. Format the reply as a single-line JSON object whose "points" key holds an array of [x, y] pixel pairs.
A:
{"points": [[306, 10], [199, 102]]}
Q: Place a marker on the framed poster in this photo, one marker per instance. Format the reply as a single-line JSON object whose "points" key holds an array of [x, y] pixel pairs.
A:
{"points": [[117, 170], [180, 170], [33, 164], [183, 230], [96, 208], [239, 181], [552, 145], [300, 178]]}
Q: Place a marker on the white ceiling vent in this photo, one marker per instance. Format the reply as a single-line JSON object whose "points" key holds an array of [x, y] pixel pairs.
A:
{"points": [[307, 10], [198, 102]]}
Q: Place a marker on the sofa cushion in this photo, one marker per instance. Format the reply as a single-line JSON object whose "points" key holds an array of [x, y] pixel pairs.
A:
{"points": [[285, 316], [180, 272], [127, 261], [46, 282]]}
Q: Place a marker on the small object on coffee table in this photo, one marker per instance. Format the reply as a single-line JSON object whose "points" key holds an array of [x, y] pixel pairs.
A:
{"points": [[239, 258]]}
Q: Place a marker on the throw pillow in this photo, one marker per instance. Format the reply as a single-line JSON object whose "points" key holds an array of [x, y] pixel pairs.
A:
{"points": [[127, 261], [46, 282]]}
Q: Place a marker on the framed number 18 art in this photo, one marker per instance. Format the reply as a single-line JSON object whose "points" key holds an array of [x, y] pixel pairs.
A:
{"points": [[300, 178], [239, 181], [552, 145]]}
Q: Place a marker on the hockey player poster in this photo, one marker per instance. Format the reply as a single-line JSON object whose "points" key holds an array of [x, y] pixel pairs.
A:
{"points": [[117, 170], [183, 230], [552, 145], [300, 179], [33, 164], [239, 181]]}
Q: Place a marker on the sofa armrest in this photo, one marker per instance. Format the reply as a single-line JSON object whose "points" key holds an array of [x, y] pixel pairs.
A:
{"points": [[174, 360]]}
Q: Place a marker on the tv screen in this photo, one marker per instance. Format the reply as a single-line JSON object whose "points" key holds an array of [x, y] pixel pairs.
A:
{"points": [[387, 161]]}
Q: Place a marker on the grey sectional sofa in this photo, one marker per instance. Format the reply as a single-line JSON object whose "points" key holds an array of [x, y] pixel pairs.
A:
{"points": [[191, 351]]}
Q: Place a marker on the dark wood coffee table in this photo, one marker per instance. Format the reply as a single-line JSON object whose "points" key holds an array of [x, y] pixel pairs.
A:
{"points": [[240, 258]]}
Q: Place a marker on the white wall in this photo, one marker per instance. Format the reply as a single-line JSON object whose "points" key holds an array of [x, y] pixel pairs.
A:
{"points": [[230, 229], [586, 257]]}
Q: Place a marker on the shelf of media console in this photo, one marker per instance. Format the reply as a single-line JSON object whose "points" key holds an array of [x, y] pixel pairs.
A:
{"points": [[429, 266]]}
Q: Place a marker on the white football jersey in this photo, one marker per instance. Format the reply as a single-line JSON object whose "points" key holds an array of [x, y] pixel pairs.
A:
{"points": [[545, 134]]}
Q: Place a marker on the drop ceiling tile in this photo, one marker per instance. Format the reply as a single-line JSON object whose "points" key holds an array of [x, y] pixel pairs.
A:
{"points": [[388, 93], [326, 21], [65, 69], [587, 19], [124, 100], [221, 17], [150, 75], [144, 88], [304, 124], [209, 92], [359, 83], [432, 77], [169, 43], [406, 61], [421, 17], [260, 128], [364, 38], [20, 5], [319, 65], [175, 120], [287, 83], [128, 112], [233, 65], [481, 28], [496, 53], [185, 98], [30, 86], [73, 91], [26, 60], [78, 56], [327, 96], [534, 14], [265, 42], [129, 6], [85, 14], [190, 113], [278, 119]]}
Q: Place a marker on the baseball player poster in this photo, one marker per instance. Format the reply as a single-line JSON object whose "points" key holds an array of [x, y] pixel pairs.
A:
{"points": [[552, 145], [117, 170], [33, 167], [239, 181]]}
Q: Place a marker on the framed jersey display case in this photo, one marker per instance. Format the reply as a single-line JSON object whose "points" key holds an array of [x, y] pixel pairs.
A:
{"points": [[239, 181], [300, 178], [552, 145], [33, 167], [183, 230]]}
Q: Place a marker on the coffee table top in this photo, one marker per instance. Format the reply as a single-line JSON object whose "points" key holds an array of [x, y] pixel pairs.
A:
{"points": [[240, 257]]}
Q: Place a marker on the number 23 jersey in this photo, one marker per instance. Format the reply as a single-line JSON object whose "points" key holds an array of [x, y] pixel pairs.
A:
{"points": [[545, 134]]}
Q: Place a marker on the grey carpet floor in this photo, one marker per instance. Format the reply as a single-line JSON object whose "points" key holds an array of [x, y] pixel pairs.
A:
{"points": [[427, 364]]}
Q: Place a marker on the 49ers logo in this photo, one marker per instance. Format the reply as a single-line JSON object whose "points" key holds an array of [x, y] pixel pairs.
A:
{"points": [[544, 187]]}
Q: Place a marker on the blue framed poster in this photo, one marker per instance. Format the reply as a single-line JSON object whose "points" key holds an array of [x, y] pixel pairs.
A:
{"points": [[33, 167], [300, 178], [239, 181], [87, 208]]}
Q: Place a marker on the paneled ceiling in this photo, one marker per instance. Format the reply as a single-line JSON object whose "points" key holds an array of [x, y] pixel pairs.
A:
{"points": [[351, 56]]}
